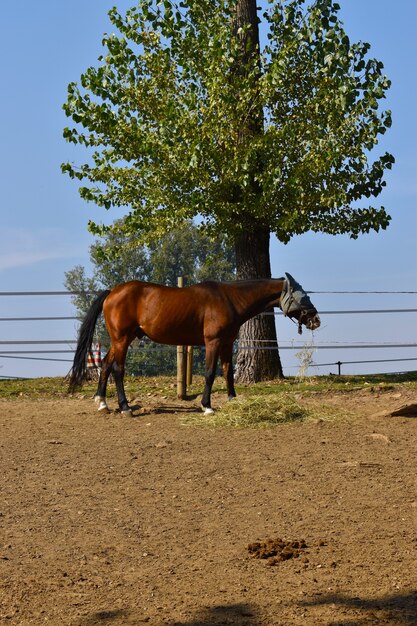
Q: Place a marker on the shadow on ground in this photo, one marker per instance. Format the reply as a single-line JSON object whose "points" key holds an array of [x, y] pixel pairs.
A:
{"points": [[396, 609], [229, 615]]}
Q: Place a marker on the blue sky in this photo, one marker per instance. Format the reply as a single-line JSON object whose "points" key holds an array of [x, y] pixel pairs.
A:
{"points": [[47, 44]]}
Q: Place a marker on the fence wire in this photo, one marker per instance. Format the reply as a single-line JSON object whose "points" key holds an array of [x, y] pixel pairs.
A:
{"points": [[30, 354]]}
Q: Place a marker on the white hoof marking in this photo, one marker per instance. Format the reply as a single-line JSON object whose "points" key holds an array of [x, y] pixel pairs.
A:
{"points": [[101, 402]]}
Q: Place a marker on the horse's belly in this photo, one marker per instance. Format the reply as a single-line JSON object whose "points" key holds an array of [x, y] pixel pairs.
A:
{"points": [[174, 336]]}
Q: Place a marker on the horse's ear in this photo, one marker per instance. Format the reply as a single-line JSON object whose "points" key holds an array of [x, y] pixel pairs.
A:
{"points": [[298, 292], [292, 282]]}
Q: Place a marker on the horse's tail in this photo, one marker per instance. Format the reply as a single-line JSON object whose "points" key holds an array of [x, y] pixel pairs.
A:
{"points": [[85, 339]]}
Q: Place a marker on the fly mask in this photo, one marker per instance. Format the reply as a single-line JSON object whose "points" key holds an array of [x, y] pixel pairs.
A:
{"points": [[295, 302]]}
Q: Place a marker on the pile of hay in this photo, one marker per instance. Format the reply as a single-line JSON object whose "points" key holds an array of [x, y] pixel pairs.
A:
{"points": [[260, 412]]}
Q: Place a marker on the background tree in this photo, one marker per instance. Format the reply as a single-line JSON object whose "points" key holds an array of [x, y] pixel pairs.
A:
{"points": [[182, 252], [186, 116]]}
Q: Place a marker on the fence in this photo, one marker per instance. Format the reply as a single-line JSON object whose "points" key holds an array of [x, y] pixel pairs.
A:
{"points": [[24, 350]]}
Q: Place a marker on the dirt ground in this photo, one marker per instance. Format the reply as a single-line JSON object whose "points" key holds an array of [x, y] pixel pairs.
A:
{"points": [[113, 520]]}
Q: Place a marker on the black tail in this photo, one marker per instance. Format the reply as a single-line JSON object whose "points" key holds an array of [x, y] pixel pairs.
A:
{"points": [[85, 339]]}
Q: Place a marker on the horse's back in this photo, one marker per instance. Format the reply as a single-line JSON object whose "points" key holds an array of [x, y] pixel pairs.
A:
{"points": [[199, 293]]}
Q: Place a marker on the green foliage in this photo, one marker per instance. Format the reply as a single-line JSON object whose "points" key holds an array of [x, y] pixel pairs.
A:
{"points": [[162, 118], [321, 93], [188, 252], [84, 288], [117, 259]]}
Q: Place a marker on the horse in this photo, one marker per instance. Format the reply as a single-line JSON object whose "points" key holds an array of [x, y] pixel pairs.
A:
{"points": [[206, 314]]}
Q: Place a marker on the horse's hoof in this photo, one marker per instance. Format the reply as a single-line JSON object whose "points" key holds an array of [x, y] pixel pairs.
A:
{"points": [[207, 410], [127, 413], [102, 405]]}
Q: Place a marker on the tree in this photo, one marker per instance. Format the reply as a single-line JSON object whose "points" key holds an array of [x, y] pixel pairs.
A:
{"points": [[186, 116], [115, 259], [253, 365], [187, 252]]}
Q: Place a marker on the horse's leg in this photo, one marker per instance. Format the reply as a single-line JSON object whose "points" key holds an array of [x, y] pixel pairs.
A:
{"points": [[227, 365], [212, 354], [100, 397], [120, 351]]}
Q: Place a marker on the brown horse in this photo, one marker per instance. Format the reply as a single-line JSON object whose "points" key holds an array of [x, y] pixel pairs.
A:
{"points": [[208, 314]]}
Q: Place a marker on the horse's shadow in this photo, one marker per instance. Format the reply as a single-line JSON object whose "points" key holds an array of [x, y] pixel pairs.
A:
{"points": [[233, 615], [170, 409], [163, 409]]}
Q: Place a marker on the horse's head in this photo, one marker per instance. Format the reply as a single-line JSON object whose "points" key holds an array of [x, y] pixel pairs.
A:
{"points": [[295, 303]]}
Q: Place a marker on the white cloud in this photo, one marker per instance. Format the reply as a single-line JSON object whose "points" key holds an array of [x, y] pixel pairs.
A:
{"points": [[23, 248]]}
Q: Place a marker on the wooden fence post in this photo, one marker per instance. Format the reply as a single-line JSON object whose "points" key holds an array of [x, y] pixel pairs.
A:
{"points": [[181, 362], [189, 365]]}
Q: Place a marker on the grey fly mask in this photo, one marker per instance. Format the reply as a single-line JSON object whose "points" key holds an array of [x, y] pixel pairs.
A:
{"points": [[295, 300]]}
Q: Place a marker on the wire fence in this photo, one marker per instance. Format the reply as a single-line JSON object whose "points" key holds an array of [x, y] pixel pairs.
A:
{"points": [[57, 355]]}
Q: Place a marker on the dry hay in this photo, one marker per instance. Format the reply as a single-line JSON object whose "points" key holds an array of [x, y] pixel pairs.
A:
{"points": [[262, 411]]}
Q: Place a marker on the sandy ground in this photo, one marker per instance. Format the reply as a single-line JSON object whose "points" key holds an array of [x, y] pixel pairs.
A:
{"points": [[125, 521]]}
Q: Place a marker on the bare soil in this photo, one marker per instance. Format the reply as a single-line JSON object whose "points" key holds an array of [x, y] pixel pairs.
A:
{"points": [[113, 520]]}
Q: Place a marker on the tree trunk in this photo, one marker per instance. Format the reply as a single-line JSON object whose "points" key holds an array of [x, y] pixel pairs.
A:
{"points": [[253, 364], [252, 244]]}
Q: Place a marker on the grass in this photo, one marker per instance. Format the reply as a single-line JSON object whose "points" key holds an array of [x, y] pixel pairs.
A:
{"points": [[257, 406], [57, 387], [166, 385]]}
